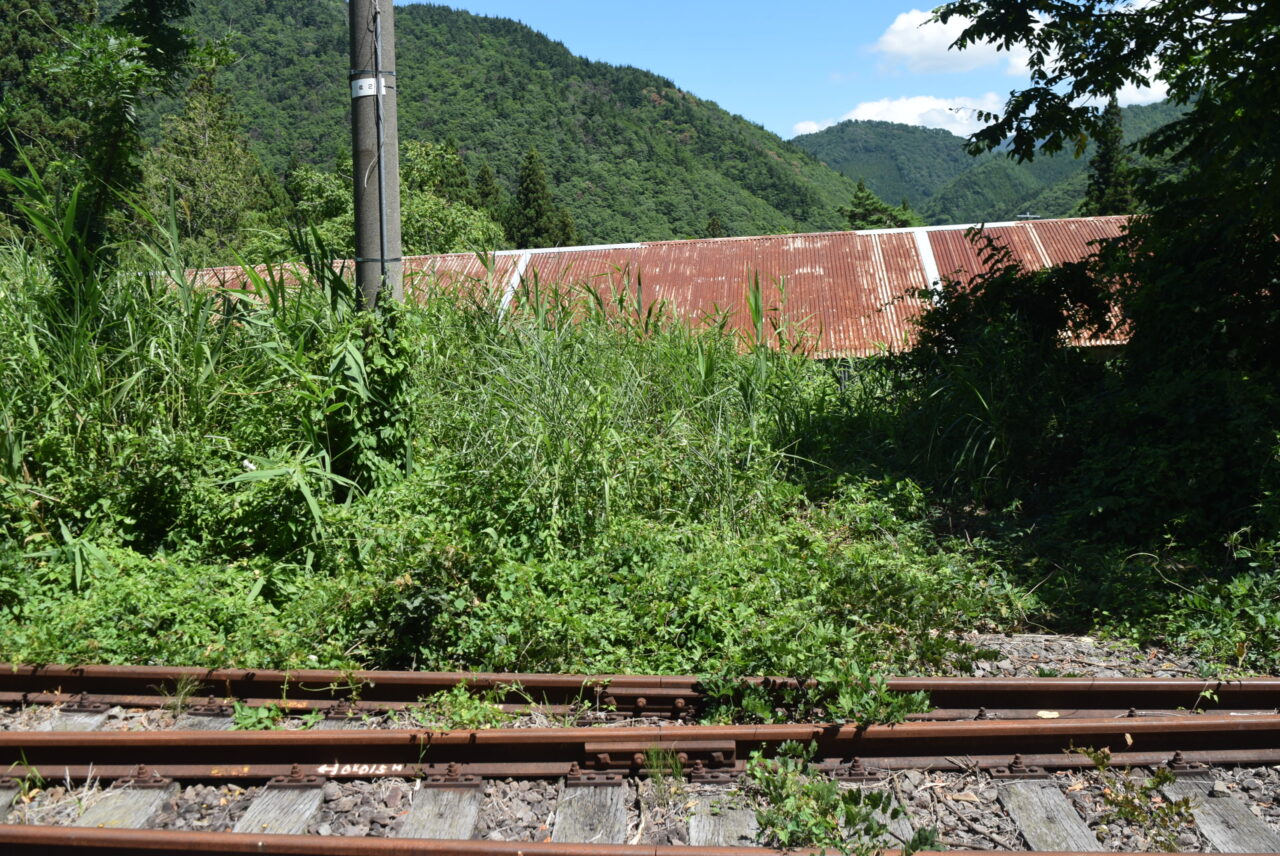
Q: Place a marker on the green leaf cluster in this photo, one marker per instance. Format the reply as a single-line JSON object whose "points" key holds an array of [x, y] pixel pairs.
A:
{"points": [[435, 211], [802, 807]]}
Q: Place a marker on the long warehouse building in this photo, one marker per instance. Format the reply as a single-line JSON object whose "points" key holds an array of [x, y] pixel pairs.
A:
{"points": [[853, 293]]}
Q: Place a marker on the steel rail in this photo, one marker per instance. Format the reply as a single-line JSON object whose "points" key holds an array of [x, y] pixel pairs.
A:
{"points": [[710, 753], [672, 696], [107, 842], [110, 842]]}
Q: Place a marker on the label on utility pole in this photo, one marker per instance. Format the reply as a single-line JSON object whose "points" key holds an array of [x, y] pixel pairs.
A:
{"points": [[362, 86]]}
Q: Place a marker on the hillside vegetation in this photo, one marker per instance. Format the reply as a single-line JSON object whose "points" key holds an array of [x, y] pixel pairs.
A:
{"points": [[897, 161], [930, 169], [633, 156]]}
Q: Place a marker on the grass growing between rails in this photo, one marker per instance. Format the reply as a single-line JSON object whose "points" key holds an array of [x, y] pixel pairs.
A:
{"points": [[190, 478]]}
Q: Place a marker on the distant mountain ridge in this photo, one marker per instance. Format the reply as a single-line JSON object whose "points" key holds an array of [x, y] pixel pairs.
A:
{"points": [[929, 168], [897, 161], [632, 155]]}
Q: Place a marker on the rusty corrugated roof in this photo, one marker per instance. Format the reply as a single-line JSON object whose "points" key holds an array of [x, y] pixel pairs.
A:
{"points": [[480, 277], [854, 293]]}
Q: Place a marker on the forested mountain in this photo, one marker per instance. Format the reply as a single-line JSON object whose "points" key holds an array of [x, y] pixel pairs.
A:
{"points": [[930, 169], [631, 155], [897, 161], [998, 188]]}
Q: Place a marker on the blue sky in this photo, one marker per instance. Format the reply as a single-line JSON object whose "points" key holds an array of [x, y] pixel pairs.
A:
{"points": [[792, 69]]}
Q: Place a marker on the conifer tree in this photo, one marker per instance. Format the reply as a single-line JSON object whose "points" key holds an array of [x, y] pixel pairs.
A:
{"points": [[714, 228], [203, 164], [167, 44], [868, 211], [454, 183], [535, 219], [488, 193], [1110, 189], [565, 231], [34, 109]]}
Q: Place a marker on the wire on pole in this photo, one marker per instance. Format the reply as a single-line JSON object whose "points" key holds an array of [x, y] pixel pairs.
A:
{"points": [[378, 85]]}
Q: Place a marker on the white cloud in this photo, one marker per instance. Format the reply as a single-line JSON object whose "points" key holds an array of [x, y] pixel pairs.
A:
{"points": [[957, 115], [810, 127], [1131, 94], [1019, 62], [924, 47]]}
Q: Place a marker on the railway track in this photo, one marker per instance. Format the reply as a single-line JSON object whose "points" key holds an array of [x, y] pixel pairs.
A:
{"points": [[210, 692], [993, 766]]}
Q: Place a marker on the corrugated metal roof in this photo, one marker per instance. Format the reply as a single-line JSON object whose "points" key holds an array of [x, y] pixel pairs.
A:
{"points": [[479, 277], [855, 293], [1033, 244]]}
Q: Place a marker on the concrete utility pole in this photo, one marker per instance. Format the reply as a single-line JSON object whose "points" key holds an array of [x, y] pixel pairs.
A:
{"points": [[375, 148]]}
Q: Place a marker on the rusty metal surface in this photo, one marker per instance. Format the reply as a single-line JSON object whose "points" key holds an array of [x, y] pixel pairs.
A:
{"points": [[445, 773], [556, 751], [63, 840], [600, 269], [652, 695], [843, 289], [1069, 240], [1033, 244], [853, 293], [464, 274], [108, 842]]}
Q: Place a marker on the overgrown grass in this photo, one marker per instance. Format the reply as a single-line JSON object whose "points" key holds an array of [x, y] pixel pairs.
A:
{"points": [[1132, 493], [207, 477], [191, 476]]}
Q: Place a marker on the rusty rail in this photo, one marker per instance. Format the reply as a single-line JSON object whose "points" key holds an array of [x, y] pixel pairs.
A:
{"points": [[708, 753], [667, 696], [53, 841]]}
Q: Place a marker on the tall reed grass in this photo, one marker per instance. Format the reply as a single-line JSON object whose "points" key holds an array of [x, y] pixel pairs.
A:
{"points": [[271, 477]]}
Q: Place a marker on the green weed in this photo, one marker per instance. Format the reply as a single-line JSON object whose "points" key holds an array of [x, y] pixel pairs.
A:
{"points": [[841, 692], [666, 775], [1137, 800], [274, 478], [266, 717], [802, 807], [461, 707], [31, 781], [178, 694], [269, 717]]}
